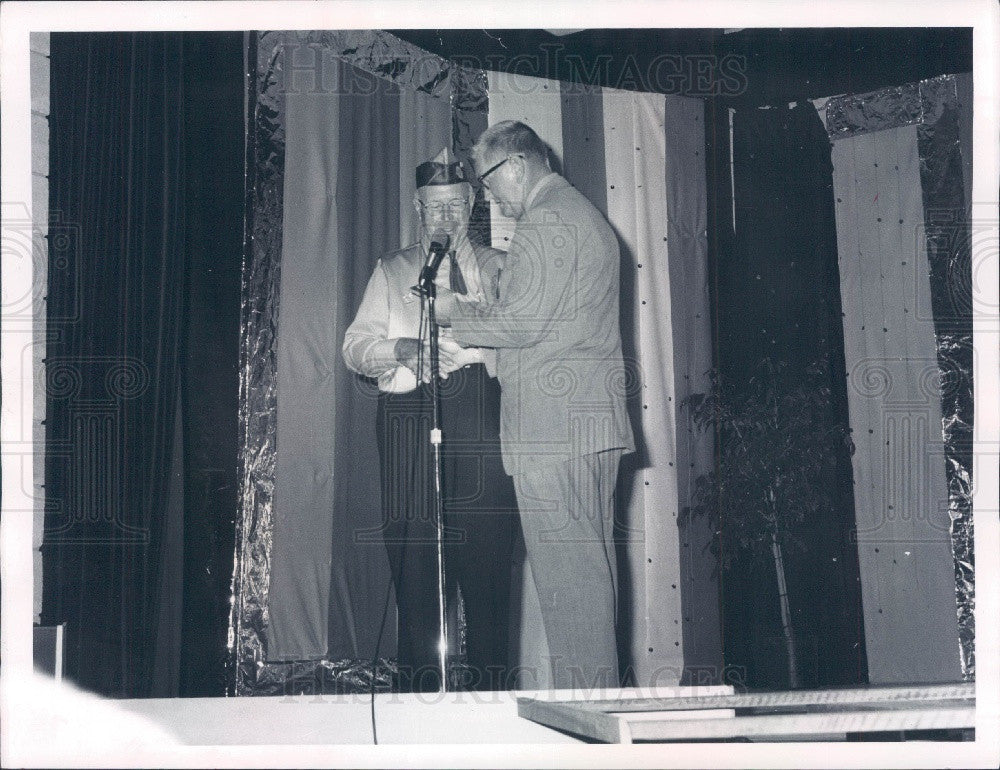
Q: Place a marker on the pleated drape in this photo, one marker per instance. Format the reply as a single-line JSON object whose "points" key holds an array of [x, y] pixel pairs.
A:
{"points": [[115, 318]]}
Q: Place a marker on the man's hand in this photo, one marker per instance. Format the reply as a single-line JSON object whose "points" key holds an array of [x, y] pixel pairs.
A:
{"points": [[452, 356], [407, 352]]}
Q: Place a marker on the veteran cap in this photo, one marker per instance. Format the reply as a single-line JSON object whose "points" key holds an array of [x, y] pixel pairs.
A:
{"points": [[442, 170]]}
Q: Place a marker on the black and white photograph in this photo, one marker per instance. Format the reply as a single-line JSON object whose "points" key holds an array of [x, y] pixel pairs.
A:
{"points": [[466, 385]]}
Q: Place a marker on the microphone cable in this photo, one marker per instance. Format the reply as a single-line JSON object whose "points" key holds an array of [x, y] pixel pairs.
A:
{"points": [[421, 334]]}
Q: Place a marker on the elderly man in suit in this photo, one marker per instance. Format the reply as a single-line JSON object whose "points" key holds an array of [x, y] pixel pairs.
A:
{"points": [[564, 425], [388, 340]]}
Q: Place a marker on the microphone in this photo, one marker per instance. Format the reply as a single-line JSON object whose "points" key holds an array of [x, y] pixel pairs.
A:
{"points": [[440, 242]]}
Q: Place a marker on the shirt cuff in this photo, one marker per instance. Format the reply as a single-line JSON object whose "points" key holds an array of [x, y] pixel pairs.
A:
{"points": [[381, 356]]}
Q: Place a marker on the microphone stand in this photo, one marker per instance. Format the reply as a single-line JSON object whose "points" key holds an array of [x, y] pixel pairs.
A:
{"points": [[429, 290]]}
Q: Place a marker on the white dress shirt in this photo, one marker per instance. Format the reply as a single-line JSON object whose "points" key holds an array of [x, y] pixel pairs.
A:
{"points": [[390, 310]]}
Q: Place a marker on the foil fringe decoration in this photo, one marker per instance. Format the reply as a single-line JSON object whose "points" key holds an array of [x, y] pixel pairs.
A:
{"points": [[381, 54], [258, 374], [949, 255], [911, 104], [323, 677], [933, 107]]}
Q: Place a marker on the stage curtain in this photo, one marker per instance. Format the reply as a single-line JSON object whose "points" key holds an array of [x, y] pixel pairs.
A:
{"points": [[342, 207], [899, 382], [115, 319], [779, 299], [214, 148]]}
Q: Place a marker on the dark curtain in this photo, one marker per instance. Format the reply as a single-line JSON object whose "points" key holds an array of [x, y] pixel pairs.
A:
{"points": [[214, 131], [778, 297], [143, 313], [115, 308]]}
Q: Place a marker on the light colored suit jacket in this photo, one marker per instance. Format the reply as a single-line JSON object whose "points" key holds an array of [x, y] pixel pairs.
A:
{"points": [[555, 328], [389, 310]]}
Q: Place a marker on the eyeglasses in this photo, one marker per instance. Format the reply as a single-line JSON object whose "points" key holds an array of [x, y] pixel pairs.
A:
{"points": [[491, 169], [438, 207]]}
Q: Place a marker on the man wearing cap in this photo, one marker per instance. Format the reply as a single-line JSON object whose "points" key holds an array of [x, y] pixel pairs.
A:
{"points": [[388, 341], [564, 425]]}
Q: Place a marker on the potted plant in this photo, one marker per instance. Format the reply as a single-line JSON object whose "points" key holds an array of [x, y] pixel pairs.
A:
{"points": [[777, 447]]}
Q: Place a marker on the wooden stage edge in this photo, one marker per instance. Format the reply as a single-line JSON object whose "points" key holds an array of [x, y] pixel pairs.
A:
{"points": [[800, 714]]}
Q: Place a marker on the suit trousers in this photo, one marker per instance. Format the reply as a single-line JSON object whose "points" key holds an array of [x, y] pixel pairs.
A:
{"points": [[480, 525], [567, 518]]}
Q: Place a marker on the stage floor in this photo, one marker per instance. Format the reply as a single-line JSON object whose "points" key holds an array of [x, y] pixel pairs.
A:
{"points": [[55, 725], [425, 718], [346, 719]]}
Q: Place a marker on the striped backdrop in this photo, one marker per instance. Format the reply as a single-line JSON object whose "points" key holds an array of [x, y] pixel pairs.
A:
{"points": [[907, 366], [348, 190]]}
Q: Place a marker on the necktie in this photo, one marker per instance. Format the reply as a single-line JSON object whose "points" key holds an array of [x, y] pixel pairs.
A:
{"points": [[457, 282]]}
